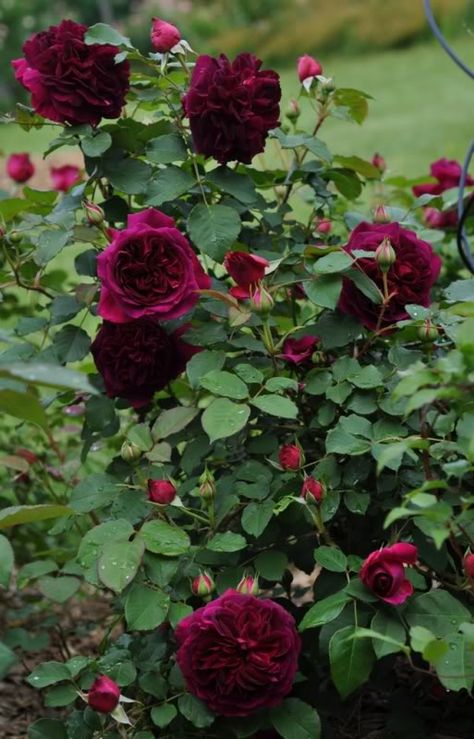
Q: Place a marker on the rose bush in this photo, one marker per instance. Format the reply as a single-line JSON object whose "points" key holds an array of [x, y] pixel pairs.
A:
{"points": [[237, 411]]}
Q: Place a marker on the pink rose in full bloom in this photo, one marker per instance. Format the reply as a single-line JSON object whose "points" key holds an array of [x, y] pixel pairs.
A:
{"points": [[308, 67], [447, 172], [69, 80], [247, 270], [20, 167], [103, 695], [299, 351], [139, 358], [161, 491], [383, 572], [231, 107], [164, 35], [63, 178], [238, 653], [409, 279], [149, 269], [290, 457]]}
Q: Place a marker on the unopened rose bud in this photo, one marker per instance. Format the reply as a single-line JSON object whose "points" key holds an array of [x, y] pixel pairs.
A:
{"points": [[308, 67], [2, 232], [14, 237], [469, 566], [379, 162], [427, 331], [381, 215], [385, 255], [293, 110], [130, 452], [319, 357], [322, 225], [291, 457], [161, 491], [207, 487], [261, 301], [203, 585], [164, 35], [248, 585], [103, 695], [94, 213], [312, 490]]}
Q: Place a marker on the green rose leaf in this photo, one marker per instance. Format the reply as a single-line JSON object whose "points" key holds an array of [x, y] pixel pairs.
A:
{"points": [[223, 418], [214, 229], [294, 719], [162, 538]]}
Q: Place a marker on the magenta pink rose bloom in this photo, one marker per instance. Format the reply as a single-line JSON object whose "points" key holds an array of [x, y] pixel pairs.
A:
{"points": [[238, 653], [299, 351], [231, 107], [63, 178], [308, 66], [383, 572], [164, 35], [70, 81], [447, 172], [103, 695], [20, 167], [247, 270], [410, 278], [149, 269], [138, 358]]}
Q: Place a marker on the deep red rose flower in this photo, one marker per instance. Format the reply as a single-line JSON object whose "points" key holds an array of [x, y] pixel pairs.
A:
{"points": [[290, 457], [103, 695], [65, 177], [161, 491], [138, 358], [238, 653], [469, 566], [447, 172], [231, 106], [299, 351], [20, 167], [383, 572], [149, 269], [435, 218], [247, 270], [69, 81], [312, 490], [379, 162], [308, 67], [164, 35], [410, 278]]}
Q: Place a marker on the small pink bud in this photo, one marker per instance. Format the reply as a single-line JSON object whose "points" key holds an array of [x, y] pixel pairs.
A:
{"points": [[381, 215], [94, 213], [293, 110], [322, 225], [291, 457], [308, 67], [203, 585], [261, 300], [103, 695], [161, 491], [312, 490], [469, 566], [20, 167], [164, 35], [379, 162], [248, 585], [385, 255]]}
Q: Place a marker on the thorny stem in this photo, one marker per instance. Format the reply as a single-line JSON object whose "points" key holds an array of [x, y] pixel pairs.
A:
{"points": [[298, 161]]}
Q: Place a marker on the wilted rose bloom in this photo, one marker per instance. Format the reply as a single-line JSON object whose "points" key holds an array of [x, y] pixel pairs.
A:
{"points": [[231, 106], [138, 358], [103, 695], [383, 572], [20, 167], [238, 653], [63, 178], [161, 491], [247, 270], [308, 67], [409, 279], [379, 162], [70, 81], [149, 269], [469, 566], [312, 490], [164, 35], [290, 457], [299, 351]]}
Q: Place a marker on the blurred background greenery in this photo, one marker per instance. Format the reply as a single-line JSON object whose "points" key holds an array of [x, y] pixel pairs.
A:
{"points": [[422, 107]]}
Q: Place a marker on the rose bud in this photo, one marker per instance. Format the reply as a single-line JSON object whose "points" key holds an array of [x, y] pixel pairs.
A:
{"points": [[94, 213], [328, 85], [322, 225], [248, 585], [161, 491], [427, 331], [261, 300], [103, 695], [28, 456], [312, 490], [291, 457], [383, 572], [385, 255], [207, 487], [14, 237], [293, 110], [469, 566], [381, 215], [203, 585], [164, 35], [319, 357], [246, 269], [20, 167], [379, 162], [130, 452], [308, 67], [65, 177]]}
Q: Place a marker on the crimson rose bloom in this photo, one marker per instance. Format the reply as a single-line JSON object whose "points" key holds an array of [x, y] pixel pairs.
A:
{"points": [[238, 653], [149, 269], [161, 491], [65, 177], [447, 172], [410, 278], [103, 695], [20, 167], [69, 81], [136, 359], [384, 574], [247, 270], [231, 107], [299, 351]]}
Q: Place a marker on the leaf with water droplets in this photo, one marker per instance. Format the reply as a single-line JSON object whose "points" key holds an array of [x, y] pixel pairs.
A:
{"points": [[119, 563]]}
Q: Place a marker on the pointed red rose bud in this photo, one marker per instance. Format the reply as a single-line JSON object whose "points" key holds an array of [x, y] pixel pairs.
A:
{"points": [[312, 490], [28, 456], [379, 162], [248, 585], [203, 585], [428, 331], [469, 566], [161, 491], [322, 225], [63, 178], [291, 457], [20, 167], [293, 110], [385, 255], [130, 452], [381, 215], [94, 213], [207, 487], [261, 301], [164, 35], [103, 695], [308, 67]]}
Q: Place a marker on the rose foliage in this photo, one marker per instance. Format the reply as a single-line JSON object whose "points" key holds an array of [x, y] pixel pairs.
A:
{"points": [[247, 436]]}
